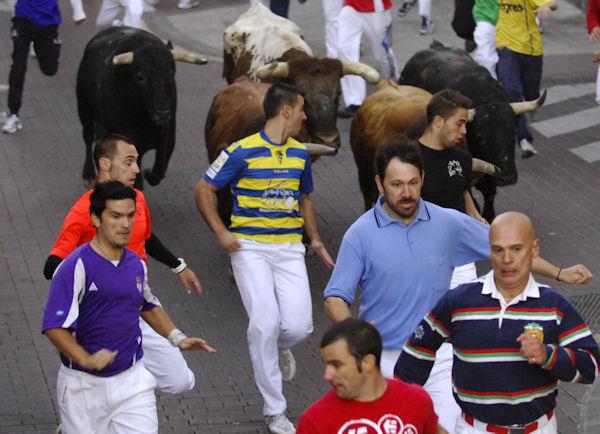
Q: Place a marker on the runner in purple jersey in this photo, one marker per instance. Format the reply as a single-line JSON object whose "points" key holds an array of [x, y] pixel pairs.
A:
{"points": [[92, 317]]}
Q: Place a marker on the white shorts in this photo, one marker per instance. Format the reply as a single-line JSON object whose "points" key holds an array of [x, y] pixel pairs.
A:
{"points": [[124, 403]]}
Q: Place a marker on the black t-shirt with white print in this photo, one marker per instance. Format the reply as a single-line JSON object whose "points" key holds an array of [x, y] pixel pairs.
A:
{"points": [[447, 176]]}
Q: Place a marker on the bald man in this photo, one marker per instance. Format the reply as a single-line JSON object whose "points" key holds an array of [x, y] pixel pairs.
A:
{"points": [[513, 340]]}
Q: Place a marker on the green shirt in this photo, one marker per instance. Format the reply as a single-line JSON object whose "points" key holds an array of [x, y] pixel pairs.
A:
{"points": [[486, 10]]}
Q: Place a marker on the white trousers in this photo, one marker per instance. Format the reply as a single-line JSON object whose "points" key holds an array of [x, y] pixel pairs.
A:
{"points": [[485, 53], [331, 10], [462, 427], [438, 385], [165, 362], [273, 284], [425, 8], [110, 10], [598, 85], [122, 404], [463, 274], [377, 26]]}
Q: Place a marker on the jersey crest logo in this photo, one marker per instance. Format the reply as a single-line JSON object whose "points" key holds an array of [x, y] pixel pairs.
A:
{"points": [[93, 287], [419, 332], [387, 424], [138, 284], [279, 156], [454, 168]]}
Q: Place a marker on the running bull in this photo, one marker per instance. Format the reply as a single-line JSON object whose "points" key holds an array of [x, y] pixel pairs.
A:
{"points": [[491, 133], [270, 48], [392, 110], [126, 85]]}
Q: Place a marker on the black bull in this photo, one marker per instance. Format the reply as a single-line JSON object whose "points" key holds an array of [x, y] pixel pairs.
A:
{"points": [[126, 85], [491, 133]]}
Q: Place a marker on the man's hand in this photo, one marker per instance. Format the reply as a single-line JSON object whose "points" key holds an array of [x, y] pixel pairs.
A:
{"points": [[320, 250], [195, 344], [188, 280], [532, 349], [228, 242], [578, 274], [100, 359], [543, 12], [595, 34]]}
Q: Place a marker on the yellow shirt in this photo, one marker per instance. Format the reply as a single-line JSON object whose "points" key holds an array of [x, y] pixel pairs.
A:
{"points": [[267, 181], [517, 29]]}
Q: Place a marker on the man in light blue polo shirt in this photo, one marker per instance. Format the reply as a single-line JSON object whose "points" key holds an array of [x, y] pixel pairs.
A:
{"points": [[401, 253]]}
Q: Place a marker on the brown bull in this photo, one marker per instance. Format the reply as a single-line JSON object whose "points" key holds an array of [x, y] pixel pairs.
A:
{"points": [[392, 110], [265, 46]]}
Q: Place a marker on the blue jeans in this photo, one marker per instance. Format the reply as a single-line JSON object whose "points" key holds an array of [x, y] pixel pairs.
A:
{"points": [[520, 76], [280, 7]]}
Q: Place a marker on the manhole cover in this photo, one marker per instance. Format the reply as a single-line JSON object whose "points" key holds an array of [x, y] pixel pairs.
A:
{"points": [[589, 307]]}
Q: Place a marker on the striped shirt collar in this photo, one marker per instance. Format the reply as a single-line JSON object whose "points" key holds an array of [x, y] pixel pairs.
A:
{"points": [[266, 138], [489, 288]]}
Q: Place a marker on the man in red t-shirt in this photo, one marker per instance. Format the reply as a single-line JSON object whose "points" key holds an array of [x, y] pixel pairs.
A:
{"points": [[116, 160], [362, 400]]}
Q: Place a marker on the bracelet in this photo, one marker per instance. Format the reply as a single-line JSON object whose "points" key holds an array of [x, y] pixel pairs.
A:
{"points": [[176, 336], [180, 267], [558, 275]]}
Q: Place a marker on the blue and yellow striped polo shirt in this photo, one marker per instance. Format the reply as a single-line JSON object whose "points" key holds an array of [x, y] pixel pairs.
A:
{"points": [[267, 180]]}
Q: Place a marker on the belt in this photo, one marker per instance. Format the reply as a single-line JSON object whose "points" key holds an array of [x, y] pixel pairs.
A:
{"points": [[512, 429]]}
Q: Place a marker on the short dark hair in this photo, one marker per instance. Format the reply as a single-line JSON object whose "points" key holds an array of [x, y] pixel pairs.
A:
{"points": [[397, 147], [362, 339], [109, 190], [106, 147], [445, 103], [277, 96]]}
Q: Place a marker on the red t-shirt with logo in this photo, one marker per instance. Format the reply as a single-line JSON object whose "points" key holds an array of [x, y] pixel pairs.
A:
{"points": [[78, 228], [403, 409]]}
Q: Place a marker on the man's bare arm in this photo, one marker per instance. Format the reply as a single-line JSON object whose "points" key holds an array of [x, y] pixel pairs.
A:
{"points": [[66, 343], [337, 309], [205, 201], [578, 274], [310, 225]]}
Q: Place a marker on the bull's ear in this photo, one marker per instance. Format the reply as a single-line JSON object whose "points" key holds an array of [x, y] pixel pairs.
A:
{"points": [[169, 45]]}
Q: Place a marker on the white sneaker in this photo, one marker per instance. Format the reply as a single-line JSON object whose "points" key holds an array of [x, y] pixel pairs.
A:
{"points": [[527, 149], [287, 364], [187, 4], [280, 424], [12, 125]]}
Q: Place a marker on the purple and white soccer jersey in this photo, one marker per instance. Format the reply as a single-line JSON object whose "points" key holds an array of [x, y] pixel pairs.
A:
{"points": [[101, 302]]}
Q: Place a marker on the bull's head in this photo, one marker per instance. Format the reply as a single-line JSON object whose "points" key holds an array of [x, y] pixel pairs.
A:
{"points": [[319, 79], [492, 133], [149, 75]]}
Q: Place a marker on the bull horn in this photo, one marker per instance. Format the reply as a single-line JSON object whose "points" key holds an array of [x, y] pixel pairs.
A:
{"points": [[486, 168], [273, 70], [471, 115], [179, 56], [528, 106], [365, 71], [123, 58], [316, 149]]}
